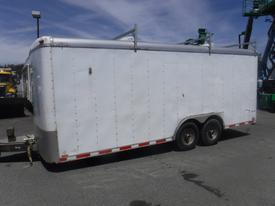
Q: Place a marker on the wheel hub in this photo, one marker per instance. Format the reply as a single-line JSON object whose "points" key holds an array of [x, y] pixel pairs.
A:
{"points": [[189, 137], [213, 134]]}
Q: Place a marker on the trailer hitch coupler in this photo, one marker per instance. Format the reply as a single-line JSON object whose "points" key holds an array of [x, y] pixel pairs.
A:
{"points": [[10, 134]]}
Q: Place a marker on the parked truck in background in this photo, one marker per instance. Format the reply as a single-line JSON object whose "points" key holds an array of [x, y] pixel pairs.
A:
{"points": [[7, 83], [11, 100]]}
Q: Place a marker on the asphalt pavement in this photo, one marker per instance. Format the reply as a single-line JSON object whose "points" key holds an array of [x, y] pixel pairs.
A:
{"points": [[239, 170]]}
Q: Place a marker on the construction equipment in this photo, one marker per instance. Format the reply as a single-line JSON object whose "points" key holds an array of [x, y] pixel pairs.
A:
{"points": [[10, 100], [203, 39], [254, 9], [7, 83]]}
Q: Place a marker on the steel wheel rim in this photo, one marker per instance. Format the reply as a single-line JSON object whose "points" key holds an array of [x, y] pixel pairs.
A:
{"points": [[188, 136], [212, 133]]}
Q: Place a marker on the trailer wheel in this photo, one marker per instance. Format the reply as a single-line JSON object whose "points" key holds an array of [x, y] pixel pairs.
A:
{"points": [[211, 132], [187, 137]]}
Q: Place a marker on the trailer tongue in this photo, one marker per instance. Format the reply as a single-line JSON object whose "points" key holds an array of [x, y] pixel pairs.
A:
{"points": [[12, 143]]}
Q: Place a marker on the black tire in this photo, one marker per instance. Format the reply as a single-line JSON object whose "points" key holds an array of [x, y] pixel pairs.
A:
{"points": [[211, 132], [187, 136]]}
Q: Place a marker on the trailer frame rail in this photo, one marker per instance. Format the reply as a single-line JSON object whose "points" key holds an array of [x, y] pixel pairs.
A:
{"points": [[18, 144]]}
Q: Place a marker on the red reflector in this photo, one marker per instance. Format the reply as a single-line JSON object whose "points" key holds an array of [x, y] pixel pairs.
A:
{"points": [[62, 159], [143, 144], [125, 147], [84, 155], [160, 141], [107, 151]]}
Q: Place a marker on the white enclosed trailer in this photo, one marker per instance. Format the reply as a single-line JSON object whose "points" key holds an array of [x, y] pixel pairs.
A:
{"points": [[95, 97]]}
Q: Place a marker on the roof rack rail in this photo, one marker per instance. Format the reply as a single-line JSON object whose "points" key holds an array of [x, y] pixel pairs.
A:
{"points": [[134, 34]]}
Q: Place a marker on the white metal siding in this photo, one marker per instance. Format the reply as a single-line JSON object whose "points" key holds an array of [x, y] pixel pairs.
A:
{"points": [[132, 97], [43, 97]]}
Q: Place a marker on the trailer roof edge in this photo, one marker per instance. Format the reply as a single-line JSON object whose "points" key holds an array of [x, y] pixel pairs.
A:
{"points": [[48, 41]]}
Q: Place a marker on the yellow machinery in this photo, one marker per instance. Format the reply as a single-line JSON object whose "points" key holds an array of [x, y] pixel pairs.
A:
{"points": [[10, 102], [7, 83]]}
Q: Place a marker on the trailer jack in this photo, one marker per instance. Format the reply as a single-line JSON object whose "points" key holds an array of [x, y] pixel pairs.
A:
{"points": [[18, 144]]}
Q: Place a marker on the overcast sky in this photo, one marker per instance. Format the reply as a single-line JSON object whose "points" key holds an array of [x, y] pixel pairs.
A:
{"points": [[158, 21]]}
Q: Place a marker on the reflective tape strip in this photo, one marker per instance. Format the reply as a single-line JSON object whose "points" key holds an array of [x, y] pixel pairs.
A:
{"points": [[65, 157], [231, 126], [125, 148], [106, 151], [160, 141], [84, 155], [144, 144], [240, 124]]}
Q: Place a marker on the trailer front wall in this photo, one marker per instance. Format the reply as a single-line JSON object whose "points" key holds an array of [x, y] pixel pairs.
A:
{"points": [[106, 98], [44, 103]]}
